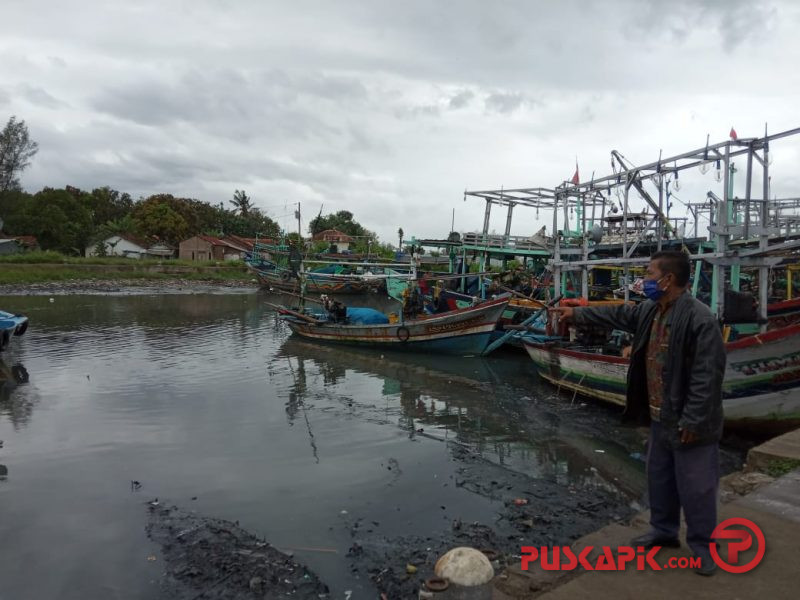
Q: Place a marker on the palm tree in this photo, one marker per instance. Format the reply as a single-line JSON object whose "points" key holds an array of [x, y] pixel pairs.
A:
{"points": [[400, 235], [242, 202]]}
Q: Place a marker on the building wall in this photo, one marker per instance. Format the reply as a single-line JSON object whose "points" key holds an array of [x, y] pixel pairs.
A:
{"points": [[118, 246], [232, 254], [160, 251], [10, 247], [196, 248]]}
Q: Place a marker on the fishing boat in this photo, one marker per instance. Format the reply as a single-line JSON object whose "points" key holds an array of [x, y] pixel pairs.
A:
{"points": [[332, 279], [465, 331], [749, 238], [761, 385], [783, 313], [278, 265], [11, 325]]}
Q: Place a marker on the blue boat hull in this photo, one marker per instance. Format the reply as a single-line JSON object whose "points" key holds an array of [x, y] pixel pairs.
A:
{"points": [[11, 326]]}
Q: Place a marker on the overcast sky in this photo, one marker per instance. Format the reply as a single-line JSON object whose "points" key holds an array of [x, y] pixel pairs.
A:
{"points": [[389, 109]]}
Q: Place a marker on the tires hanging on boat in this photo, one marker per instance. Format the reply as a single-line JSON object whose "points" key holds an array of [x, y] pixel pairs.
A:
{"points": [[403, 334], [285, 275], [4, 339]]}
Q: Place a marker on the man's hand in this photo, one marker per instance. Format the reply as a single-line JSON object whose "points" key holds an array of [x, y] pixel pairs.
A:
{"points": [[687, 437], [564, 313]]}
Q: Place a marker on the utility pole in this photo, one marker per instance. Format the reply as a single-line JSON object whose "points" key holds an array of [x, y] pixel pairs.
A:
{"points": [[299, 226]]}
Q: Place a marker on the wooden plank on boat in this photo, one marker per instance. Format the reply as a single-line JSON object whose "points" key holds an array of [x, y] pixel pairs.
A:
{"points": [[294, 313]]}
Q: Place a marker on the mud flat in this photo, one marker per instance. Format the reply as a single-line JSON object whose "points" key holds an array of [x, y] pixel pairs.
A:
{"points": [[216, 559]]}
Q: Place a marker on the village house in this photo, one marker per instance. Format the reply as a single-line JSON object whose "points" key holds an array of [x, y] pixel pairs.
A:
{"points": [[337, 241], [15, 244], [130, 246], [208, 247]]}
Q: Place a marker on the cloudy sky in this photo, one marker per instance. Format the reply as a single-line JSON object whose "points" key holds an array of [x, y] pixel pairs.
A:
{"points": [[389, 109]]}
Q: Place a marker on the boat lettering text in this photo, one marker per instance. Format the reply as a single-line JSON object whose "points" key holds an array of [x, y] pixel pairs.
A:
{"points": [[453, 326], [753, 367]]}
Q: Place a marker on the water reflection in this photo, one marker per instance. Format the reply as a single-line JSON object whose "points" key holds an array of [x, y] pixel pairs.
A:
{"points": [[16, 407], [481, 404], [296, 402]]}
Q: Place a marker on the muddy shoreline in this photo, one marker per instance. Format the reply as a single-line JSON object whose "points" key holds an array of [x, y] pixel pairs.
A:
{"points": [[213, 558]]}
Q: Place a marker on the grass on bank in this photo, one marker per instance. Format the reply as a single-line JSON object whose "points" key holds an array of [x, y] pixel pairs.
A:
{"points": [[49, 266], [51, 257], [781, 466], [29, 274]]}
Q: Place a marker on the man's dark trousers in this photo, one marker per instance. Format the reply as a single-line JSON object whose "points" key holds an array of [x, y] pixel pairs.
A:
{"points": [[683, 477]]}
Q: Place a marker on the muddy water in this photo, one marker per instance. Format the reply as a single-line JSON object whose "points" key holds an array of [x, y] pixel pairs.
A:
{"points": [[209, 403]]}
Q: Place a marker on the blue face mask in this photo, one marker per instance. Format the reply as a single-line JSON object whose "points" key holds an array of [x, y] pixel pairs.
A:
{"points": [[651, 289]]}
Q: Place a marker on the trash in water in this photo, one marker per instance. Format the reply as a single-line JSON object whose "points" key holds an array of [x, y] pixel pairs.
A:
{"points": [[520, 501], [599, 451]]}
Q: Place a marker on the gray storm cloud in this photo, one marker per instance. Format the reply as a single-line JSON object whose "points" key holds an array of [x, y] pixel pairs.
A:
{"points": [[386, 109]]}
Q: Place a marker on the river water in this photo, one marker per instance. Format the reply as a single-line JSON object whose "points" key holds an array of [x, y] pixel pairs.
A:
{"points": [[208, 402]]}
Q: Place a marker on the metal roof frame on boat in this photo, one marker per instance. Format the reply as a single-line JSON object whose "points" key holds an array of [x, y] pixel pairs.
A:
{"points": [[761, 218]]}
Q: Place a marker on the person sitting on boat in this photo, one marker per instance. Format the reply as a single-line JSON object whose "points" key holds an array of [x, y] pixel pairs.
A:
{"points": [[413, 302], [335, 309], [677, 364]]}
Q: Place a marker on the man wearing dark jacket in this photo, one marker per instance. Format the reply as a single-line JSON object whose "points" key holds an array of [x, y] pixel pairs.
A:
{"points": [[675, 377]]}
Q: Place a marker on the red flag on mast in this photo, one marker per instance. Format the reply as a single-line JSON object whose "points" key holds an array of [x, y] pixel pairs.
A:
{"points": [[576, 178], [733, 135]]}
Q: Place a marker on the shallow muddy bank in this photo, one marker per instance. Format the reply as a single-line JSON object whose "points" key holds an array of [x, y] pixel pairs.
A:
{"points": [[213, 558]]}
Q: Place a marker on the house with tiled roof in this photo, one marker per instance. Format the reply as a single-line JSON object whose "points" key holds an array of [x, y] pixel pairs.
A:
{"points": [[337, 241], [209, 247], [14, 244]]}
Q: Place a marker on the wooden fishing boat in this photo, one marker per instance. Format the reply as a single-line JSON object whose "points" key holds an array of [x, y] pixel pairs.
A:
{"points": [[317, 282], [783, 313], [761, 385], [463, 331]]}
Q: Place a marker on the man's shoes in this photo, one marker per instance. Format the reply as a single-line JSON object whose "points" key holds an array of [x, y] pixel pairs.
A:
{"points": [[707, 566], [653, 538]]}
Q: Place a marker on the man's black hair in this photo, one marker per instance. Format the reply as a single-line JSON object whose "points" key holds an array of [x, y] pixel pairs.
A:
{"points": [[675, 262]]}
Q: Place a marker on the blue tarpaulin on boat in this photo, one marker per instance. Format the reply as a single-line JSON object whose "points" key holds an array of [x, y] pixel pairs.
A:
{"points": [[329, 270], [366, 316]]}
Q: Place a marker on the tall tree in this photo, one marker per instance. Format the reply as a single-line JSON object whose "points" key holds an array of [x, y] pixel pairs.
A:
{"points": [[400, 235], [242, 202], [59, 219], [16, 151], [342, 221], [166, 217]]}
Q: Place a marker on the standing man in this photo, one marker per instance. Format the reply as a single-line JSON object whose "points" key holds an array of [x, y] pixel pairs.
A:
{"points": [[675, 376]]}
